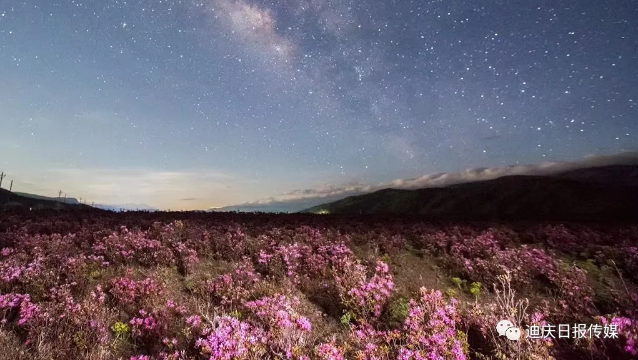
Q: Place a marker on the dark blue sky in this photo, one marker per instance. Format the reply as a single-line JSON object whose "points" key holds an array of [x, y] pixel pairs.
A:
{"points": [[193, 104]]}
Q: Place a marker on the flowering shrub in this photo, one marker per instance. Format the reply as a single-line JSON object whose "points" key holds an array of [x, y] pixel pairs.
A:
{"points": [[430, 329], [286, 328], [144, 325], [236, 287], [27, 312], [126, 247], [628, 329], [148, 286], [626, 326], [302, 261], [329, 351], [483, 258], [231, 244], [291, 256], [574, 292], [227, 338], [365, 298], [128, 291], [367, 343]]}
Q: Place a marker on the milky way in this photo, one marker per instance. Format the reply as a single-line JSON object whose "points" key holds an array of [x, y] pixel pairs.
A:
{"points": [[193, 104]]}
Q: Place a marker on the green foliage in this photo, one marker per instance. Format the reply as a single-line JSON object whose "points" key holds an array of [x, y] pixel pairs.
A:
{"points": [[450, 292], [601, 279], [95, 274], [607, 277], [346, 318], [602, 274], [384, 350], [458, 282], [605, 268], [399, 309], [588, 266], [475, 289], [237, 314], [462, 337], [80, 340], [121, 329], [179, 225], [385, 258]]}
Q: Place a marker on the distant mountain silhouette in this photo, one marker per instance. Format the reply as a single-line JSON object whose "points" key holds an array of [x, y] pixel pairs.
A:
{"points": [[604, 193], [126, 207], [51, 201], [73, 201], [10, 200], [290, 206], [625, 175]]}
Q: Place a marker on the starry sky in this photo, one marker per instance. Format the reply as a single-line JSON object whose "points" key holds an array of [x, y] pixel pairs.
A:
{"points": [[198, 104]]}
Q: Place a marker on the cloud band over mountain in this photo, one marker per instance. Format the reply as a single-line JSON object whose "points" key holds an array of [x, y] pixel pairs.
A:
{"points": [[300, 199]]}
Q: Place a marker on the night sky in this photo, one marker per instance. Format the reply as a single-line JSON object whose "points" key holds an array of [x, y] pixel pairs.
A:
{"points": [[198, 104]]}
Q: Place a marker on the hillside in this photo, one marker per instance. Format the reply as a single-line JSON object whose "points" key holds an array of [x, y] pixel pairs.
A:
{"points": [[10, 200], [507, 198], [623, 175], [69, 200]]}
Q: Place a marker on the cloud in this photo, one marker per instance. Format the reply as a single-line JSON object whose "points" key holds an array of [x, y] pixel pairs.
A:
{"points": [[303, 198], [545, 168]]}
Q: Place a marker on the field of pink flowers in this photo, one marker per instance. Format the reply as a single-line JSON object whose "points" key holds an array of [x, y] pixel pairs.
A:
{"points": [[258, 286]]}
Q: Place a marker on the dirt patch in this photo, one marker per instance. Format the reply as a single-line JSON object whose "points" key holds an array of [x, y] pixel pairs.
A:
{"points": [[411, 272]]}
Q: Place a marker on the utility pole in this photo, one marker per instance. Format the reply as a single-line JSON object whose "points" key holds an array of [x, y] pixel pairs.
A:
{"points": [[65, 198], [11, 186], [59, 195], [2, 176]]}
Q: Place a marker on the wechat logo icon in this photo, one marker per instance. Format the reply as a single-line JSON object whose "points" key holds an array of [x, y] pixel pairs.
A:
{"points": [[507, 329]]}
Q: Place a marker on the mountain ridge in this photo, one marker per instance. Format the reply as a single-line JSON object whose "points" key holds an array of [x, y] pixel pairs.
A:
{"points": [[15, 201], [69, 200], [584, 194], [74, 201]]}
